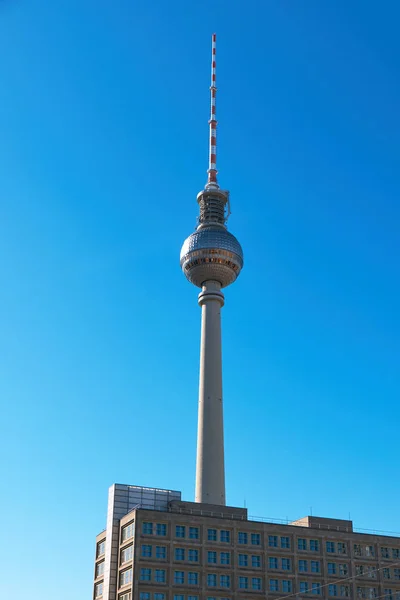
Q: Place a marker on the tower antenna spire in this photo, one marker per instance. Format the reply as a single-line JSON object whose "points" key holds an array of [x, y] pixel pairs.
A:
{"points": [[212, 155]]}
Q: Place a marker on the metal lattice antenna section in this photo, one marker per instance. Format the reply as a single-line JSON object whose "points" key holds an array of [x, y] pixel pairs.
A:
{"points": [[212, 157]]}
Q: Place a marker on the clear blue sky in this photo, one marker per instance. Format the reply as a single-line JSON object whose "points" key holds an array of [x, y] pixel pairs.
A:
{"points": [[103, 128]]}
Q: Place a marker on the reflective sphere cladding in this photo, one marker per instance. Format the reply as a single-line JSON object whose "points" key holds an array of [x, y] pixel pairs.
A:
{"points": [[211, 253]]}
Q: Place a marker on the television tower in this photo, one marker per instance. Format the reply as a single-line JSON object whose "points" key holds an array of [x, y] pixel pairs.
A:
{"points": [[211, 258]]}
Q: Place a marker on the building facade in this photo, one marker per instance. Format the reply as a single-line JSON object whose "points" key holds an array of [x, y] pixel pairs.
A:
{"points": [[162, 548]]}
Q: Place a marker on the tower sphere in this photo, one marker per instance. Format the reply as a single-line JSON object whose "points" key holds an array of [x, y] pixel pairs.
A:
{"points": [[211, 253]]}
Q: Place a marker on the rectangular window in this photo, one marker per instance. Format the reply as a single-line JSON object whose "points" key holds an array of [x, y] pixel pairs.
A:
{"points": [[225, 558], [396, 574], [212, 535], [99, 590], [357, 550], [361, 592], [161, 529], [243, 583], [256, 583], [127, 596], [126, 577], [342, 548], [286, 585], [315, 566], [372, 572], [273, 585], [388, 594], [371, 592], [193, 533], [243, 560], [242, 537], [369, 551], [256, 561], [212, 557], [161, 552], [303, 566], [211, 580], [225, 581], [225, 535], [192, 598], [303, 587], [179, 597], [273, 541], [147, 528], [101, 548], [330, 547], [396, 552], [193, 555], [386, 573], [285, 542], [286, 564], [146, 551], [142, 596], [127, 532], [345, 591], [180, 531], [331, 568], [158, 596], [127, 554], [332, 589], [100, 569], [316, 588], [255, 539], [179, 577], [301, 544], [159, 576], [193, 578], [343, 569], [385, 553], [273, 562], [314, 545], [179, 553], [145, 574]]}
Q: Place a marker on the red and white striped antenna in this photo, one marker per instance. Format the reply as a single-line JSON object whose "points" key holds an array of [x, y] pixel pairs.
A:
{"points": [[212, 157]]}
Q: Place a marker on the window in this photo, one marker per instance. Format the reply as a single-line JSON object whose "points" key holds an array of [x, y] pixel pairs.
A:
{"points": [[372, 572], [314, 545], [255, 539], [193, 578], [303, 565], [242, 537], [145, 574], [386, 573], [161, 552], [357, 550], [343, 569], [286, 566], [99, 590], [212, 535], [243, 583], [286, 585], [315, 588], [371, 592], [192, 598], [158, 596], [101, 548], [179, 577], [360, 592], [243, 560], [369, 551], [396, 574], [126, 577], [211, 557], [142, 596], [345, 591], [256, 561], [127, 596], [388, 594], [303, 587], [359, 569], [193, 533], [100, 569], [273, 541], [179, 597], [147, 528], [273, 585], [225, 581], [330, 547], [385, 552], [159, 575], [161, 529], [180, 531], [273, 562], [256, 583], [127, 554], [127, 532], [193, 555], [225, 558], [301, 544], [224, 535], [396, 552], [146, 551], [331, 568], [332, 589], [315, 566], [211, 580], [342, 548], [285, 542], [179, 553]]}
